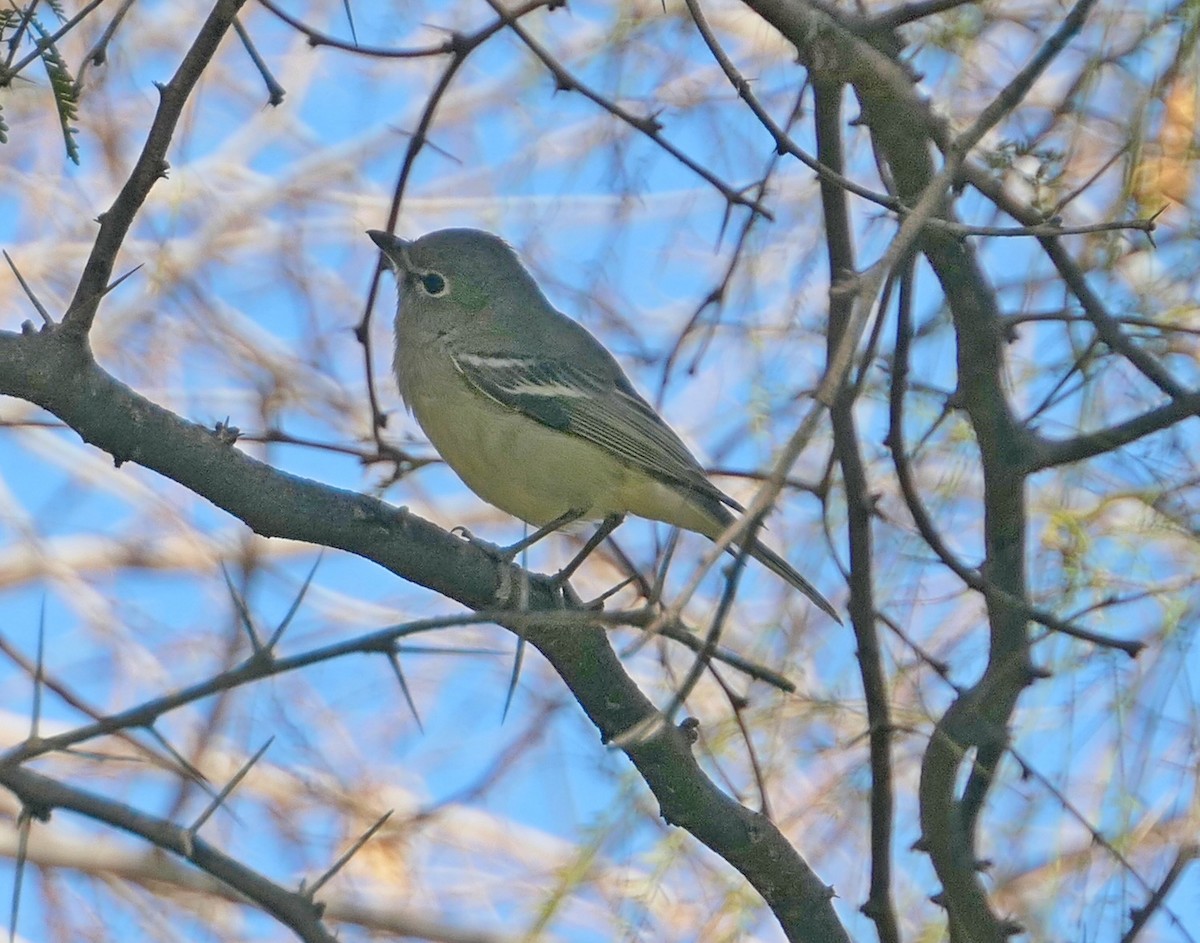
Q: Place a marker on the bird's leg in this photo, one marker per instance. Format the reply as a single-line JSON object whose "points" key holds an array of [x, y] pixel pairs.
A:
{"points": [[560, 579], [510, 553], [544, 531], [607, 526]]}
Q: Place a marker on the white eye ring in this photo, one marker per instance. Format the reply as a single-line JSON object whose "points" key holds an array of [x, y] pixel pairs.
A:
{"points": [[433, 284]]}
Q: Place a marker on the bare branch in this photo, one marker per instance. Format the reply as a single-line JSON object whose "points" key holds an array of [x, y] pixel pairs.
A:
{"points": [[151, 165], [294, 911]]}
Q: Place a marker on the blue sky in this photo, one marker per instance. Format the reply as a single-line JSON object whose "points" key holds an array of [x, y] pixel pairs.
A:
{"points": [[257, 327]]}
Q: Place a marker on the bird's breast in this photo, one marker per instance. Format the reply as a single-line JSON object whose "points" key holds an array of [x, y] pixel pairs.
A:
{"points": [[510, 460]]}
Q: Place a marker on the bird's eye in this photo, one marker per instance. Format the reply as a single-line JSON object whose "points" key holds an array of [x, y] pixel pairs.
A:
{"points": [[433, 283]]}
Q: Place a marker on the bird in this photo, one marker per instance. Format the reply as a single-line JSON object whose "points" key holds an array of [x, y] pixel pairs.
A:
{"points": [[530, 410]]}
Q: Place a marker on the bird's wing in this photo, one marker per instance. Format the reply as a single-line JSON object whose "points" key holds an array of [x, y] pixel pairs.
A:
{"points": [[602, 409]]}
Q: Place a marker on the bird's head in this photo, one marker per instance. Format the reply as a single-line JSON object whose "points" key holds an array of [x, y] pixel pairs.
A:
{"points": [[453, 274]]}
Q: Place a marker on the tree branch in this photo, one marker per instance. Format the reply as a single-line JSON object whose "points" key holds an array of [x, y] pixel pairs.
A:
{"points": [[58, 374], [43, 794], [879, 905], [151, 166]]}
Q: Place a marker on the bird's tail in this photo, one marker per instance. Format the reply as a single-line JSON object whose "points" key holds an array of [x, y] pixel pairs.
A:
{"points": [[720, 518], [779, 566]]}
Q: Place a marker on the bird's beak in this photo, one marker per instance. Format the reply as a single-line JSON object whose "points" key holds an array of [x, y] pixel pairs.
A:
{"points": [[395, 248]]}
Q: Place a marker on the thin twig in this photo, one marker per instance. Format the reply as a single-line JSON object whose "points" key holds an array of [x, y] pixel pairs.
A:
{"points": [[151, 165], [649, 125]]}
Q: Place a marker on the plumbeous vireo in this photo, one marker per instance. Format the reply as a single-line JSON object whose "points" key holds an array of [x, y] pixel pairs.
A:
{"points": [[530, 410]]}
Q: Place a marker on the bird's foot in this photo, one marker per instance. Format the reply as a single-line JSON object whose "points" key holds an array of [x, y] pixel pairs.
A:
{"points": [[561, 580], [495, 551], [512, 593]]}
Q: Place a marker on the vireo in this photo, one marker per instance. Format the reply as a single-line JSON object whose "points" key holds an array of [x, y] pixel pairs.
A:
{"points": [[530, 410]]}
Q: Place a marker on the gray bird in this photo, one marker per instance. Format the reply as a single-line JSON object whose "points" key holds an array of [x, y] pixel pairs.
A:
{"points": [[530, 410]]}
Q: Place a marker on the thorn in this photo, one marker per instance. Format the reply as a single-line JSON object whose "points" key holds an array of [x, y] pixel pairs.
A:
{"points": [[46, 319], [341, 862], [243, 612], [726, 216], [221, 796], [287, 619], [121, 279], [518, 661], [650, 123], [350, 20], [39, 673], [394, 660], [24, 825], [178, 757]]}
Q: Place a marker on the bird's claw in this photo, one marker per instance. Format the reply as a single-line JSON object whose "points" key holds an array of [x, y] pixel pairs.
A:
{"points": [[491, 549], [508, 595], [504, 556]]}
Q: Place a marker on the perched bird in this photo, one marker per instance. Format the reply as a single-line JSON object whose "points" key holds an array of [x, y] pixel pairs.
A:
{"points": [[530, 410]]}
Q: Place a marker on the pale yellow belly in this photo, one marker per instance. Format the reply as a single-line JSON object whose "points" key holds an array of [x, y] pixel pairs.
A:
{"points": [[514, 463], [536, 473]]}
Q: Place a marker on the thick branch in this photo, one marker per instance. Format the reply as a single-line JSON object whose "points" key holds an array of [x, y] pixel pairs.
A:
{"points": [[977, 719], [1050, 453], [859, 513], [55, 372]]}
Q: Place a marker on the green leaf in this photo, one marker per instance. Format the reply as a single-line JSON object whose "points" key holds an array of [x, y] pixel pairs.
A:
{"points": [[62, 83]]}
